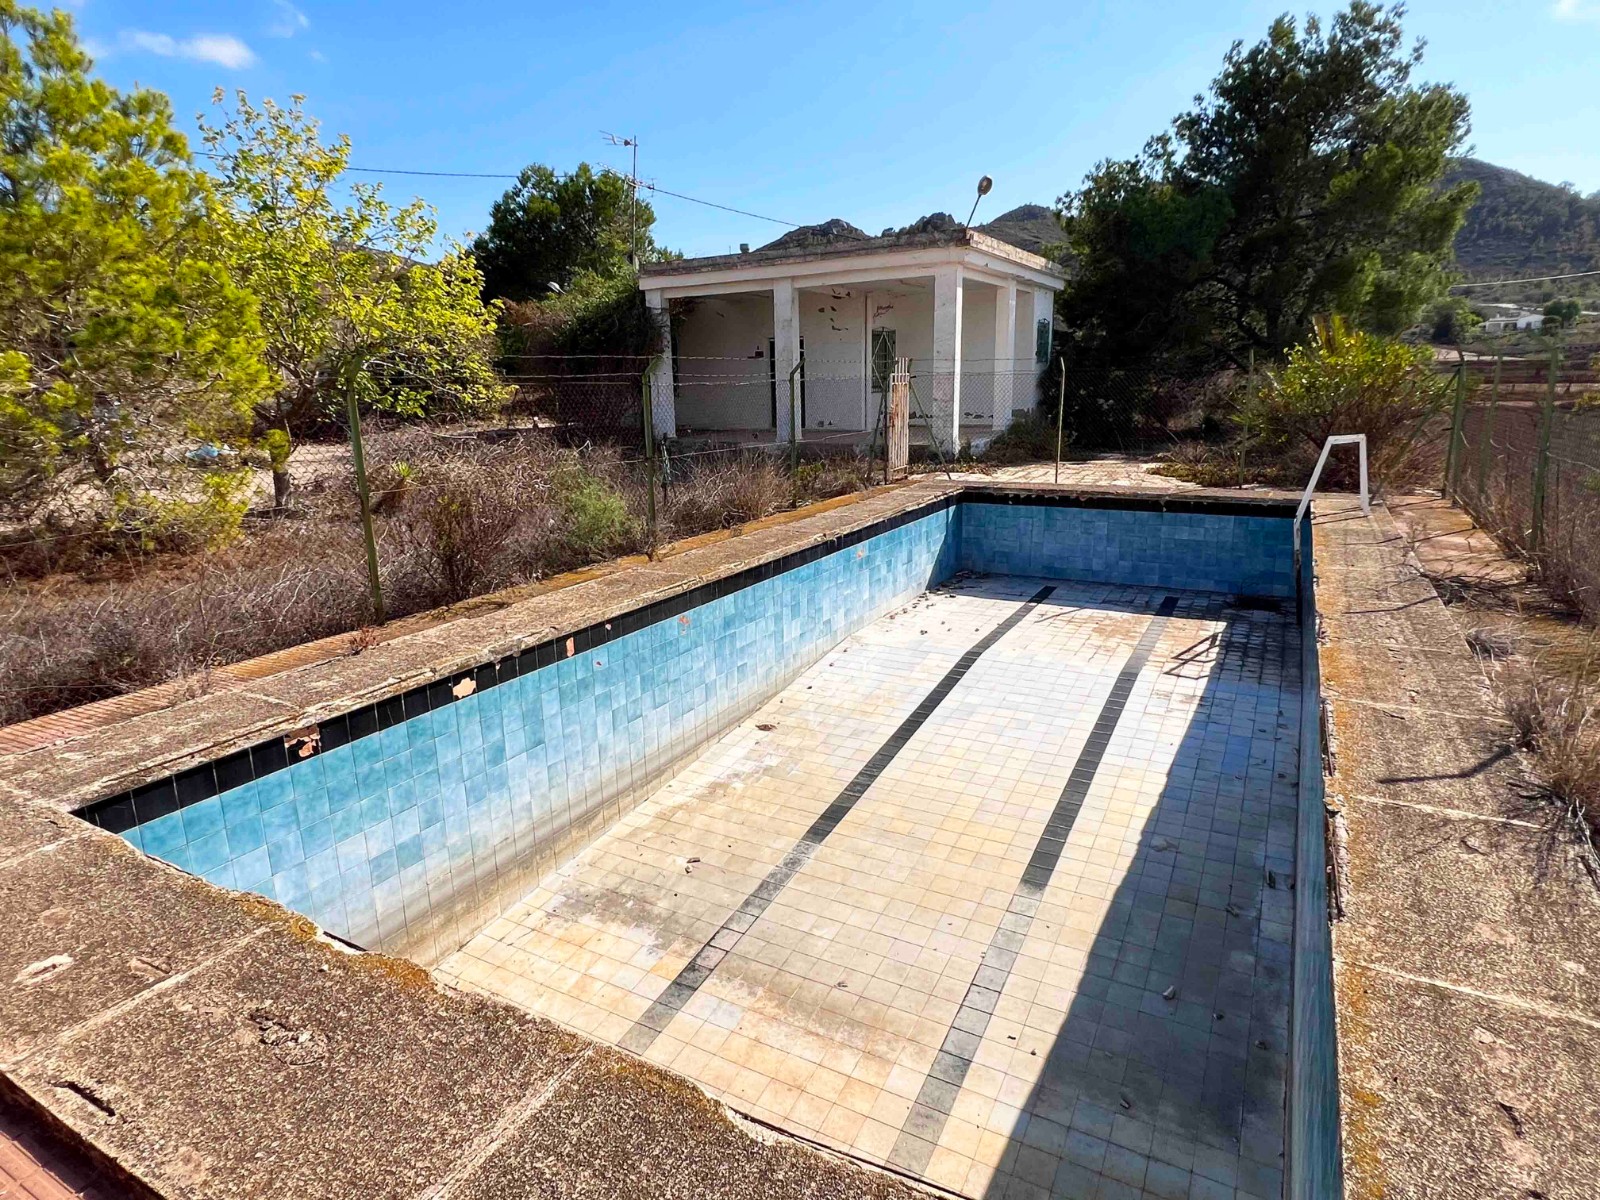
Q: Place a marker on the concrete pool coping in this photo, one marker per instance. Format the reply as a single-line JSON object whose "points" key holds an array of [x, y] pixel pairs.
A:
{"points": [[211, 1005], [1466, 970]]}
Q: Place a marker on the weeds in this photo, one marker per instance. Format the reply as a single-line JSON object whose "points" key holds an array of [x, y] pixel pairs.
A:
{"points": [[1554, 707], [1028, 439], [86, 617]]}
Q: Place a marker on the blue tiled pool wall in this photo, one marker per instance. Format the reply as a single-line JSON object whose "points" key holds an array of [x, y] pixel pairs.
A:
{"points": [[411, 837], [1211, 551], [1313, 1162]]}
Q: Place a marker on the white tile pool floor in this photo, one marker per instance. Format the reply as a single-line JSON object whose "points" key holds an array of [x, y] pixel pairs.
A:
{"points": [[1037, 943]]}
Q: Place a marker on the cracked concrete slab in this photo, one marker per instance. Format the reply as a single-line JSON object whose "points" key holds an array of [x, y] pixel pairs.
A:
{"points": [[617, 1130], [1465, 967], [82, 935]]}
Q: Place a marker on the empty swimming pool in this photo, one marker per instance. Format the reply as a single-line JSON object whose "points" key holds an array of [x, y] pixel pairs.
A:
{"points": [[962, 843], [986, 895]]}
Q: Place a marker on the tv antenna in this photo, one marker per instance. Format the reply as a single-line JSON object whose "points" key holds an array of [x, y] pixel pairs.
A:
{"points": [[633, 194]]}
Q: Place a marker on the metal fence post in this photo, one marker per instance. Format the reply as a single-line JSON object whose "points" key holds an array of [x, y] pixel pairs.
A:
{"points": [[1452, 453], [794, 417], [1061, 415], [1487, 433], [359, 459], [1541, 466], [647, 410]]}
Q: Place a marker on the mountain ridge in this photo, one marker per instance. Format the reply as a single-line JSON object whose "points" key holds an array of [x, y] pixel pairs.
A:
{"points": [[1521, 226]]}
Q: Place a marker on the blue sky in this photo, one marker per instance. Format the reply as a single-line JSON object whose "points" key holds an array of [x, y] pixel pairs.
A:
{"points": [[877, 113]]}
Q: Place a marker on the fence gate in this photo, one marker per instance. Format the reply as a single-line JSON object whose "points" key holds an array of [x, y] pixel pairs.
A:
{"points": [[897, 419]]}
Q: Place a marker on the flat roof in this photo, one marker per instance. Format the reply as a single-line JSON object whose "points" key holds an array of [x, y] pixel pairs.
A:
{"points": [[965, 239]]}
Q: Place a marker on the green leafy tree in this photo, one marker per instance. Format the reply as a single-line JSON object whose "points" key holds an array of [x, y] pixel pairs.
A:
{"points": [[347, 305], [1306, 182], [1451, 320], [551, 229], [124, 340], [1563, 314]]}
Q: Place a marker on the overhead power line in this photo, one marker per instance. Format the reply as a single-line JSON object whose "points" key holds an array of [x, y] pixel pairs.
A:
{"points": [[644, 183], [1534, 279], [723, 207]]}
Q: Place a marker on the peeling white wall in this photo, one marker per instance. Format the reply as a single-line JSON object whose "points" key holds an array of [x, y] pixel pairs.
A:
{"points": [[721, 382], [833, 327]]}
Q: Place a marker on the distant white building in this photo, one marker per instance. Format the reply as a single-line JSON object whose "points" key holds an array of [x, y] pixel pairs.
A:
{"points": [[1513, 321], [972, 313]]}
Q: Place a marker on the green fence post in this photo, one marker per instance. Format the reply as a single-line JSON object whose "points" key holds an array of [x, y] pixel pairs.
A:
{"points": [[1452, 453], [1541, 466], [647, 410], [1061, 415], [359, 460], [1487, 433]]}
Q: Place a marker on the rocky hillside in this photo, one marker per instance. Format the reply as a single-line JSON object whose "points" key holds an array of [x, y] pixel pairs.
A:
{"points": [[1523, 226], [1031, 227]]}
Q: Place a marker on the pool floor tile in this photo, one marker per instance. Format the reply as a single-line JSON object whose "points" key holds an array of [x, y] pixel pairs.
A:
{"points": [[1136, 1004]]}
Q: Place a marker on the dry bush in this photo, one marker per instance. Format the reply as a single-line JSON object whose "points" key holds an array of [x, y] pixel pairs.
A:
{"points": [[1028, 439], [1207, 465], [1554, 708], [457, 516], [468, 515], [833, 475], [717, 491], [722, 490], [68, 640]]}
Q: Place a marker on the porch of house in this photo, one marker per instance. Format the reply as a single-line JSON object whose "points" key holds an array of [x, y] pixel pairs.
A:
{"points": [[975, 435], [975, 327]]}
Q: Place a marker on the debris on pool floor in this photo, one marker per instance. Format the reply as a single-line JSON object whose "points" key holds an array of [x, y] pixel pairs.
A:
{"points": [[998, 896]]}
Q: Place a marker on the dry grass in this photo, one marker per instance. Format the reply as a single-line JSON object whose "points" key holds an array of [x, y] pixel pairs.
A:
{"points": [[720, 491], [1545, 661], [457, 516], [1028, 439], [1553, 702]]}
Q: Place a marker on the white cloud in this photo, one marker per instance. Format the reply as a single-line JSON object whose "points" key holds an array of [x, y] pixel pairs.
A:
{"points": [[289, 20], [221, 48], [318, 56], [1576, 10]]}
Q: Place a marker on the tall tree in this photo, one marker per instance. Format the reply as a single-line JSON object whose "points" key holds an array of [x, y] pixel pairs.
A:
{"points": [[346, 304], [550, 229], [123, 337], [1307, 181]]}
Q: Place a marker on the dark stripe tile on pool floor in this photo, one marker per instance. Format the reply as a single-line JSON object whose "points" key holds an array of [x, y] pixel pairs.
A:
{"points": [[829, 1016], [706, 960], [931, 1109]]}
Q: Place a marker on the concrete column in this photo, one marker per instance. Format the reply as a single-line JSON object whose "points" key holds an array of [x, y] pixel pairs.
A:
{"points": [[946, 389], [1005, 348], [663, 393], [785, 349]]}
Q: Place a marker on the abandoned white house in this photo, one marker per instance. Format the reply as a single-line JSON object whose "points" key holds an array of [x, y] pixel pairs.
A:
{"points": [[833, 308]]}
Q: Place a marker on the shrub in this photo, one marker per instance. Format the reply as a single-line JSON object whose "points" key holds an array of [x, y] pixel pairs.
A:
{"points": [[1028, 439], [597, 515], [1346, 381], [457, 516], [727, 490]]}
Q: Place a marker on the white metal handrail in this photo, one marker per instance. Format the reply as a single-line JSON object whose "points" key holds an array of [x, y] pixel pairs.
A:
{"points": [[1338, 439]]}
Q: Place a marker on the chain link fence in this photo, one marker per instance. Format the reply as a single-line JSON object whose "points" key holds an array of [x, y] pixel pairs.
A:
{"points": [[1523, 457], [333, 527]]}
